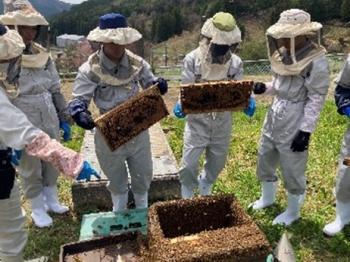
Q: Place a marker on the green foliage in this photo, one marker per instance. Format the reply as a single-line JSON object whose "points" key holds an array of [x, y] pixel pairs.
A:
{"points": [[167, 24], [46, 8], [170, 17], [254, 49], [345, 9], [77, 138]]}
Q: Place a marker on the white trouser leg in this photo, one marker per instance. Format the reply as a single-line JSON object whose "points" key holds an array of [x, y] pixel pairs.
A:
{"points": [[268, 195], [51, 200], [292, 212], [141, 200], [13, 234], [39, 214], [186, 192], [204, 187], [342, 218], [120, 201], [18, 258]]}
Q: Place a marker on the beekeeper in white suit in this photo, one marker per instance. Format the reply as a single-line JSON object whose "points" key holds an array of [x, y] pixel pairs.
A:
{"points": [[342, 100], [41, 100], [111, 76], [299, 86], [17, 132], [210, 132]]}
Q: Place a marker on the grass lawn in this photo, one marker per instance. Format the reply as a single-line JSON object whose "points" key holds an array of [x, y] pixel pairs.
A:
{"points": [[239, 178]]}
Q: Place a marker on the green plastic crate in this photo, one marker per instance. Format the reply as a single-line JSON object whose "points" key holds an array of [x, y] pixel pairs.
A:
{"points": [[113, 223]]}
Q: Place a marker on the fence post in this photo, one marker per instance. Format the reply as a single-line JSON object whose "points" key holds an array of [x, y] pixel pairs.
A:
{"points": [[166, 55]]}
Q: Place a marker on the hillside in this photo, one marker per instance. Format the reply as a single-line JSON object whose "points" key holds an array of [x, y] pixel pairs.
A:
{"points": [[47, 8], [160, 20]]}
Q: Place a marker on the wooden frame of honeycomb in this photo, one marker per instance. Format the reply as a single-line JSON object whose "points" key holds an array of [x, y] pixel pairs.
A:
{"points": [[215, 96], [129, 119]]}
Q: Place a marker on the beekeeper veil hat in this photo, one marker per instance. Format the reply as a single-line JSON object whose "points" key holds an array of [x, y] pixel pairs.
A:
{"points": [[113, 28], [222, 29], [293, 42]]}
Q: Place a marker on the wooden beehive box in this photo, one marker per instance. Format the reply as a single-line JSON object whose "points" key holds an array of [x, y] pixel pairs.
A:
{"points": [[129, 119], [125, 247], [215, 96], [211, 228]]}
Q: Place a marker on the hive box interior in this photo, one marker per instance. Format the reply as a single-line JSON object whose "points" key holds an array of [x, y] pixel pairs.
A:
{"points": [[204, 229], [188, 218]]}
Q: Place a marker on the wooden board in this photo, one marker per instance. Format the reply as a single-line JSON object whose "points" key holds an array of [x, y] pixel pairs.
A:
{"points": [[346, 161], [129, 119], [125, 247], [215, 96]]}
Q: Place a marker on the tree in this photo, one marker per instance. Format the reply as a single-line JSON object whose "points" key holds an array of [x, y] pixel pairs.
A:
{"points": [[345, 9]]}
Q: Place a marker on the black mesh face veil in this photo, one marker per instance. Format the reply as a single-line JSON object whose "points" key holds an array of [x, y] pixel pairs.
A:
{"points": [[13, 70], [293, 50]]}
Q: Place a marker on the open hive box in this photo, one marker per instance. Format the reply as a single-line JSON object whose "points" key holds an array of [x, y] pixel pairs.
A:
{"points": [[215, 96], [204, 229], [129, 119], [125, 247]]}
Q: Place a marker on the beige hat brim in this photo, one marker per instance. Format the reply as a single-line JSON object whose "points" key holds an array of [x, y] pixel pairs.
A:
{"points": [[11, 45], [288, 30], [120, 36], [221, 37], [23, 18]]}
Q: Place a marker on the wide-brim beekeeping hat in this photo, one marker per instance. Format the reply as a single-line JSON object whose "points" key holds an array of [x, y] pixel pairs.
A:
{"points": [[11, 43], [222, 29], [303, 39], [21, 12], [292, 23], [113, 28]]}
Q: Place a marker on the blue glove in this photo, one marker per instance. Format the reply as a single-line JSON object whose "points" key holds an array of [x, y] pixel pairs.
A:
{"points": [[87, 172], [250, 110], [67, 133], [178, 111], [346, 111], [162, 85], [16, 157]]}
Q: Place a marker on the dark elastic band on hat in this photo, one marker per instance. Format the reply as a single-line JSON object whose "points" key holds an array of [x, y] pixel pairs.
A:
{"points": [[3, 29]]}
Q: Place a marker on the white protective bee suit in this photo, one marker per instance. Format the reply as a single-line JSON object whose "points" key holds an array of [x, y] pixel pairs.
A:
{"points": [[209, 132], [342, 97], [18, 133], [40, 98], [299, 89], [109, 84]]}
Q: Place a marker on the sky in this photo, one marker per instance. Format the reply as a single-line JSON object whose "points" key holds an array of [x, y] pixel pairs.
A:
{"points": [[73, 1]]}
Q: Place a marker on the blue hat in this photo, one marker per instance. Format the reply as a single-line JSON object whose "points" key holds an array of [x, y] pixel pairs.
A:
{"points": [[113, 28], [112, 21]]}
